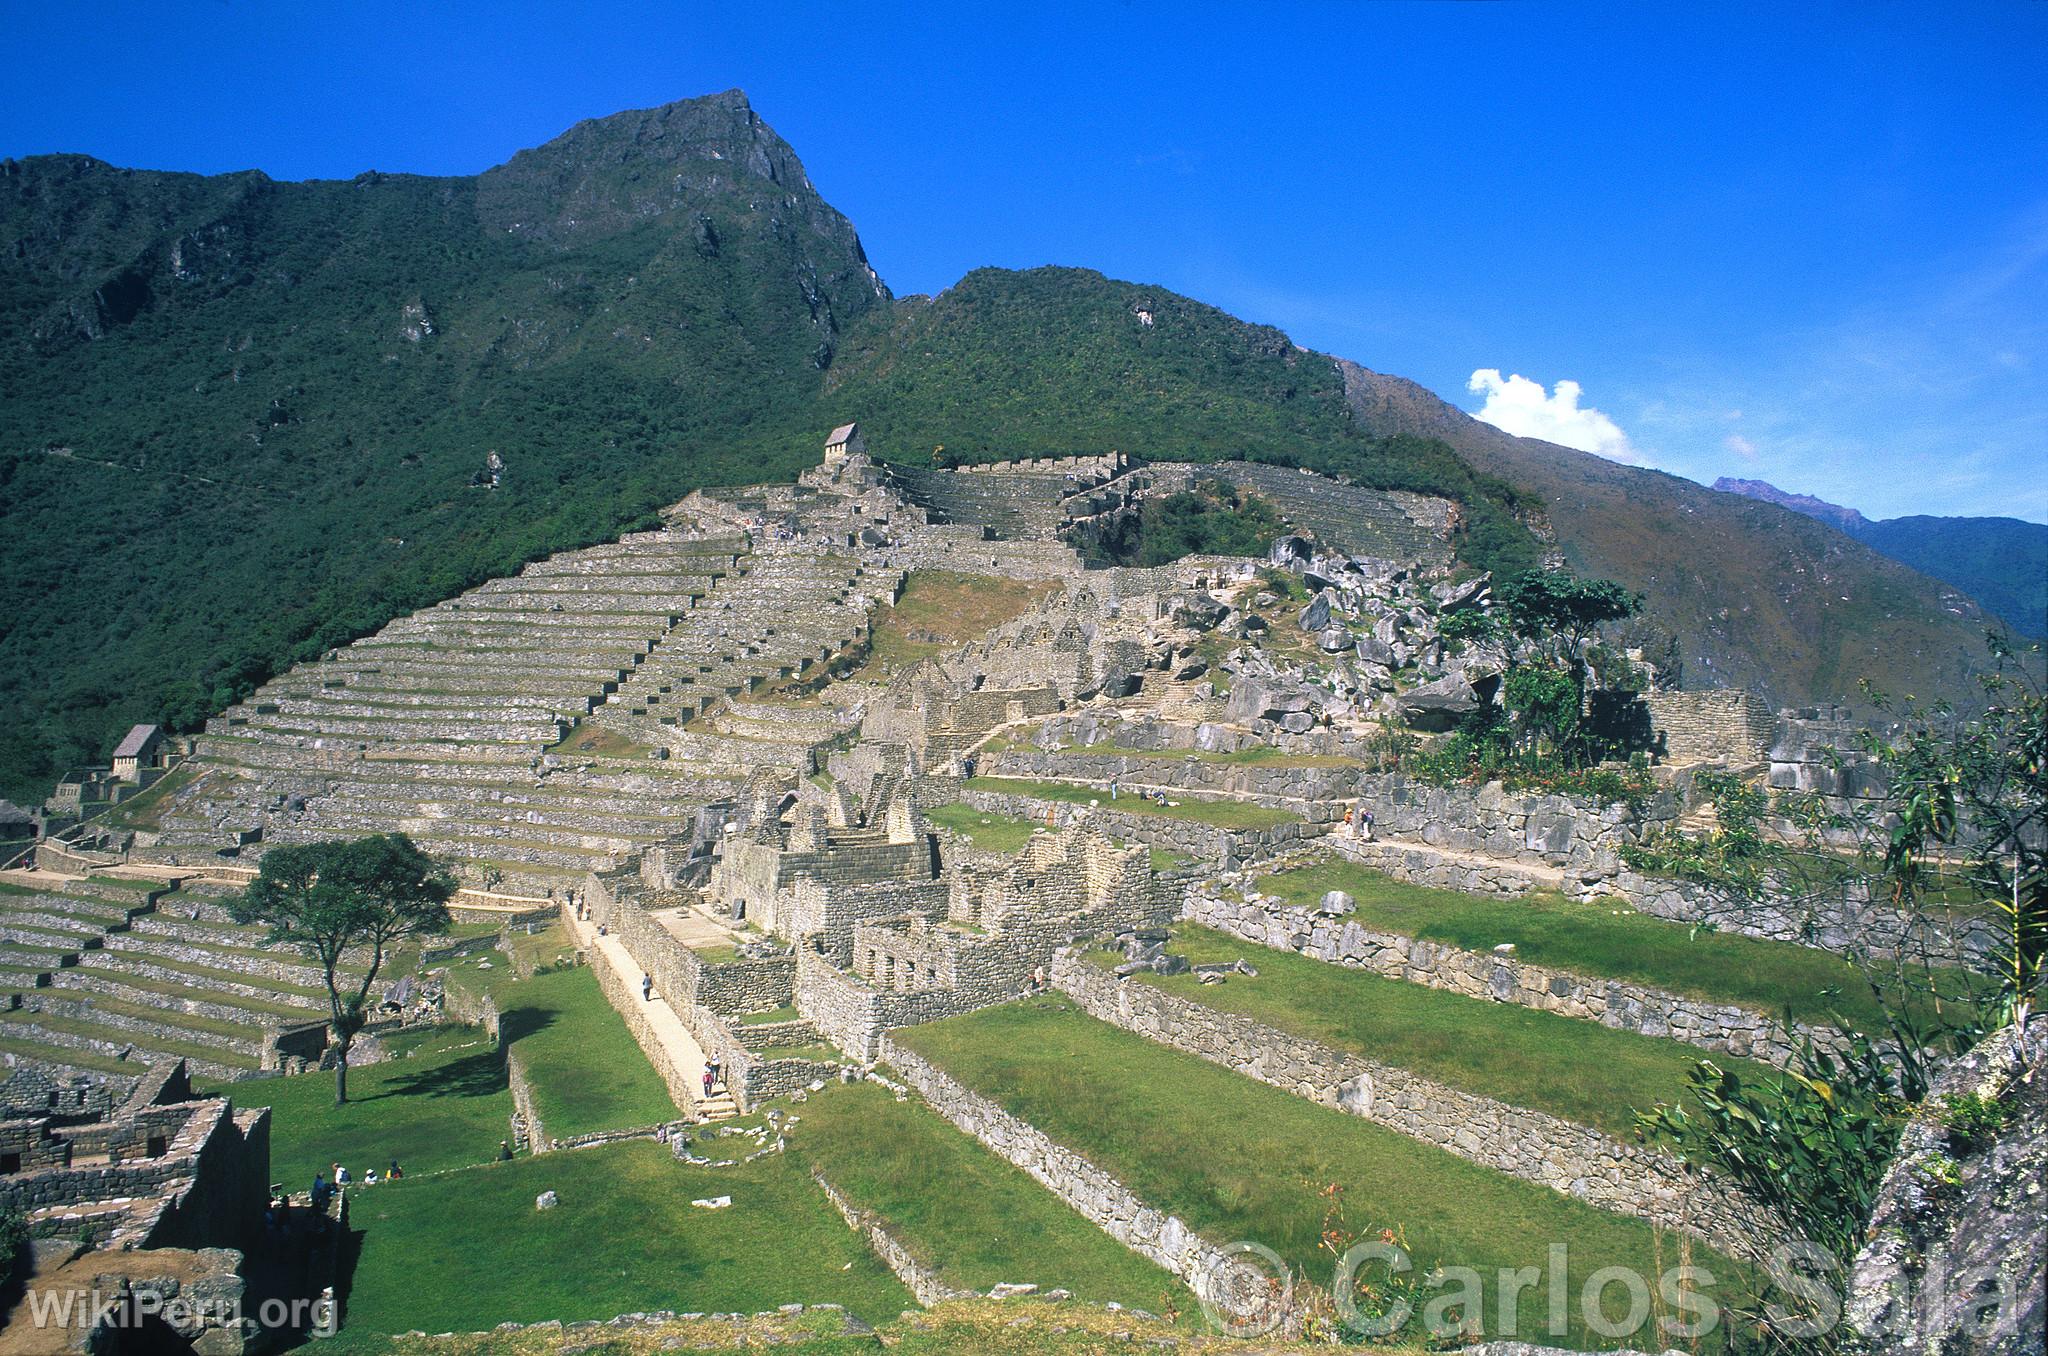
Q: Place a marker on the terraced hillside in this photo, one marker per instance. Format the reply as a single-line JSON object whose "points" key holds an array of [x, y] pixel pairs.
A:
{"points": [[541, 726], [104, 976]]}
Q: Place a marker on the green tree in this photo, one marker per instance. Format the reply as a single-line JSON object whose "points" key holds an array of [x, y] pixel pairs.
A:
{"points": [[330, 898], [1553, 618], [1966, 809]]}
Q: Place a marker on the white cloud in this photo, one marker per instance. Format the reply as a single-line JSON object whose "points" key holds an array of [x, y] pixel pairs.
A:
{"points": [[1522, 407], [1740, 446]]}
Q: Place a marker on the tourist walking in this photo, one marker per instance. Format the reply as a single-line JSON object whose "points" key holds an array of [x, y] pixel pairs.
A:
{"points": [[647, 988]]}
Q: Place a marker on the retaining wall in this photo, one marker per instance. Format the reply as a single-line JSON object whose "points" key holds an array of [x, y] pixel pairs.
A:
{"points": [[1532, 1145], [1636, 1008], [1092, 1193]]}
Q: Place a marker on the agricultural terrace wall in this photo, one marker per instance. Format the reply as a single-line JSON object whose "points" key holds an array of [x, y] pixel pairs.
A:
{"points": [[920, 1280], [1531, 1145], [1087, 728], [1317, 792], [1092, 1193], [1229, 848], [1637, 1008], [1843, 919]]}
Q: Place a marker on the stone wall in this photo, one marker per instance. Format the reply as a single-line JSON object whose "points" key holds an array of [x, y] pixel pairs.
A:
{"points": [[920, 1279], [1531, 1145], [1722, 725], [853, 1015], [1092, 1193], [1637, 1008], [1846, 921], [1229, 848], [1558, 832], [1317, 792]]}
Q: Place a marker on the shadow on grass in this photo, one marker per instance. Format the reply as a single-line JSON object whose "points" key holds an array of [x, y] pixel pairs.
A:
{"points": [[477, 1075], [519, 1023]]}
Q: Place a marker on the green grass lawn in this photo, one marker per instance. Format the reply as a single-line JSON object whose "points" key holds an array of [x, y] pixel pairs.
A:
{"points": [[941, 610], [467, 1251], [980, 1220], [1241, 1161], [992, 832], [1260, 755], [1545, 1061], [442, 1104], [1223, 814], [987, 830], [586, 1070], [1606, 940]]}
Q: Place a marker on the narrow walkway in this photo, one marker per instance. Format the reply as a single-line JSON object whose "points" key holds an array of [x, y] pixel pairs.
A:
{"points": [[678, 1047]]}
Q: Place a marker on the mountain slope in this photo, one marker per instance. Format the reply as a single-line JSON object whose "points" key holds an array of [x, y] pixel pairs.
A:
{"points": [[248, 420], [2000, 562], [1758, 595], [244, 418]]}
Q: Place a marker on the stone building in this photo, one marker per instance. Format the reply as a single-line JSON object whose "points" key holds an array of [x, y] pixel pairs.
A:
{"points": [[141, 749], [163, 1168]]}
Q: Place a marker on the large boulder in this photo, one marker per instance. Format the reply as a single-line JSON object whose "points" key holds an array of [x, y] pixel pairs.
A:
{"points": [[1316, 616], [1955, 1258], [1291, 552], [1267, 699], [1440, 705]]}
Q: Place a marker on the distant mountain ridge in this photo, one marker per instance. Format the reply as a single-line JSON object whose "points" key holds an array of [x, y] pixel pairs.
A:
{"points": [[247, 420], [1847, 519], [2001, 562]]}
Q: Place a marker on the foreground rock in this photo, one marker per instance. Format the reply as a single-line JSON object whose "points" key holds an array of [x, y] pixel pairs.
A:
{"points": [[1955, 1258]]}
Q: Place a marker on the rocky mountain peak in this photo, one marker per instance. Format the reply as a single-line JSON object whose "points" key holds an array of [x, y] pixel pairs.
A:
{"points": [[1846, 518]]}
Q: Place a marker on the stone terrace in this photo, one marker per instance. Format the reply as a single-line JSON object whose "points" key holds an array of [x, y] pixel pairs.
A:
{"points": [[447, 724], [98, 979]]}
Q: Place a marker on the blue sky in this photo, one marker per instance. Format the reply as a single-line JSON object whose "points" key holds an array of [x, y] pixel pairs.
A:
{"points": [[1807, 244]]}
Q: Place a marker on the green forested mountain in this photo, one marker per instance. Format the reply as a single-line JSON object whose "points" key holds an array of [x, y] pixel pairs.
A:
{"points": [[242, 420]]}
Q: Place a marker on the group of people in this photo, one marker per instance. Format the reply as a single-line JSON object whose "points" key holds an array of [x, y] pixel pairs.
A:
{"points": [[714, 1073], [325, 1185]]}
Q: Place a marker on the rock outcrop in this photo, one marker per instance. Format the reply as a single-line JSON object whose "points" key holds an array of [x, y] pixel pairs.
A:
{"points": [[1955, 1258]]}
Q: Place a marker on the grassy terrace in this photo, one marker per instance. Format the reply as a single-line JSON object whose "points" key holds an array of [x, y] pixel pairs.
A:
{"points": [[1260, 755], [1239, 1160], [586, 1070], [959, 1207], [1222, 814], [1606, 940], [992, 832], [442, 1103], [941, 610], [153, 1045], [1576, 1069], [467, 1250]]}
